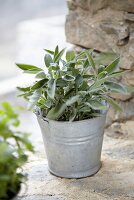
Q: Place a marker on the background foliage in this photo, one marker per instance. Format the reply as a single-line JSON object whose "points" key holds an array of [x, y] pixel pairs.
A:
{"points": [[13, 147]]}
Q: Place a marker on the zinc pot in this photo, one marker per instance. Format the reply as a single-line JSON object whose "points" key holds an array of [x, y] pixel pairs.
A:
{"points": [[73, 148]]}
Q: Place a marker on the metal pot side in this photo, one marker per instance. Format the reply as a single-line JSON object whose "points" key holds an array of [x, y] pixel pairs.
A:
{"points": [[73, 148]]}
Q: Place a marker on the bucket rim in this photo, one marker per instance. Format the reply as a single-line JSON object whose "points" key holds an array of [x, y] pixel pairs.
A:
{"points": [[71, 122], [38, 114]]}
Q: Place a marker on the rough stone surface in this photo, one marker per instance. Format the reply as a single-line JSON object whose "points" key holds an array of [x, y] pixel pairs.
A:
{"points": [[106, 26], [129, 17], [114, 181], [121, 96], [122, 5], [95, 5], [128, 78], [126, 114]]}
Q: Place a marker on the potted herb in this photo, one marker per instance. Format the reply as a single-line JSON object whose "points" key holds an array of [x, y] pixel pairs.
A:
{"points": [[71, 101], [13, 147]]}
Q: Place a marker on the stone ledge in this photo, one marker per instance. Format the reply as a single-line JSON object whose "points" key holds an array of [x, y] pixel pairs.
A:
{"points": [[114, 181]]}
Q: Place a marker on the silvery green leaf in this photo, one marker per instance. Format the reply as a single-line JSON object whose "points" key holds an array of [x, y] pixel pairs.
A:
{"points": [[49, 51], [86, 63], [91, 61], [129, 89], [96, 105], [69, 78], [39, 84], [102, 74], [51, 88], [112, 67], [40, 75], [116, 87], [31, 69], [70, 55], [98, 82], [33, 99], [48, 60], [73, 115], [54, 66], [113, 103], [56, 51], [59, 109], [56, 111], [72, 100], [59, 55], [78, 80], [80, 55], [24, 89], [48, 103], [84, 86], [118, 73], [101, 68], [105, 58], [61, 82]]}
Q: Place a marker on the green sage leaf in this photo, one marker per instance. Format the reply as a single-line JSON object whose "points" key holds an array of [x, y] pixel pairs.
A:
{"points": [[29, 68], [91, 61], [59, 55], [51, 88], [69, 78], [116, 87], [113, 103], [33, 99], [112, 67], [70, 55], [48, 60], [96, 105], [39, 84]]}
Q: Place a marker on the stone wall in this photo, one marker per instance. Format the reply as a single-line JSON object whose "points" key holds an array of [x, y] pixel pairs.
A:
{"points": [[106, 25]]}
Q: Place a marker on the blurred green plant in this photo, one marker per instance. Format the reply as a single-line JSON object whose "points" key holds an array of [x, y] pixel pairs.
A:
{"points": [[13, 147], [74, 88]]}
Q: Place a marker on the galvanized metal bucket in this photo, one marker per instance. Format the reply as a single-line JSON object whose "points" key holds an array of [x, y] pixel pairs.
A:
{"points": [[73, 148]]}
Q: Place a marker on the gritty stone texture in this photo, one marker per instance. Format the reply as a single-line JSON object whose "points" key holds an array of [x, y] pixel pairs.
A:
{"points": [[126, 114], [114, 181], [106, 25], [121, 96]]}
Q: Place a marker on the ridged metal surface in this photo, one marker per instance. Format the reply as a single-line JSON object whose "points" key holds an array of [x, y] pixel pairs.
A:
{"points": [[73, 148]]}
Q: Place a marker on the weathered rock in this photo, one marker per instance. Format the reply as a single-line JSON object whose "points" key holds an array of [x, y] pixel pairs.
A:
{"points": [[121, 31], [122, 5], [103, 31], [86, 30], [128, 129], [127, 61], [126, 114], [80, 3], [89, 38], [95, 5], [110, 117], [127, 111], [71, 5], [90, 5], [107, 26], [122, 97], [128, 78], [122, 130], [131, 48], [129, 17]]}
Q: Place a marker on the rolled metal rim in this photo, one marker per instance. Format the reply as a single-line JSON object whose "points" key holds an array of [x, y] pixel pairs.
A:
{"points": [[39, 115]]}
